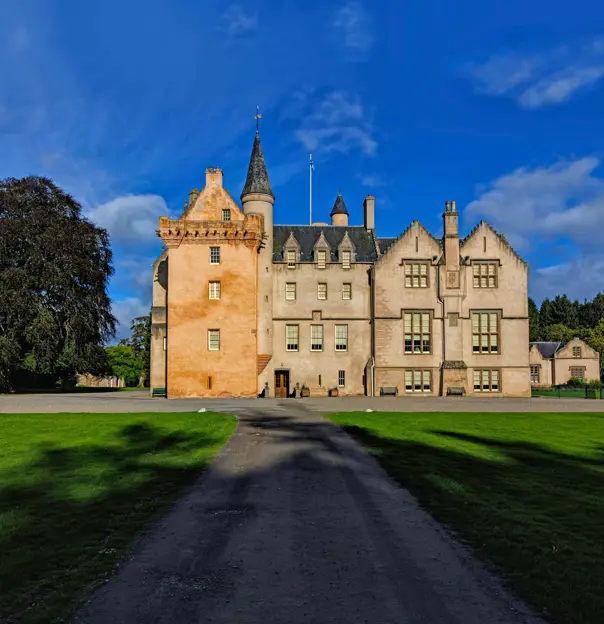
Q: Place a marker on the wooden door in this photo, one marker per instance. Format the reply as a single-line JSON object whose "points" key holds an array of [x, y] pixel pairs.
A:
{"points": [[281, 384]]}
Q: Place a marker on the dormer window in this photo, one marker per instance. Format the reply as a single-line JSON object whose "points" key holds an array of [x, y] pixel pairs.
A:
{"points": [[291, 259], [226, 214], [346, 259], [321, 258]]}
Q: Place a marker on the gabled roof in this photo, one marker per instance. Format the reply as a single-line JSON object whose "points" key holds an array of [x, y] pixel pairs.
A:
{"points": [[386, 244], [308, 235], [257, 175], [548, 349], [501, 237]]}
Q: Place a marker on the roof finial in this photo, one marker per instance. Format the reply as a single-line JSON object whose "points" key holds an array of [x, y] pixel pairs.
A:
{"points": [[257, 116]]}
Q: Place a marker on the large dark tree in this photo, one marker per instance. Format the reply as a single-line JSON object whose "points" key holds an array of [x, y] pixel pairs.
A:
{"points": [[55, 314]]}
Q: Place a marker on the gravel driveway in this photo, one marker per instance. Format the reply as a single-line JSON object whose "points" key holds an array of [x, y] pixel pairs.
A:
{"points": [[295, 523]]}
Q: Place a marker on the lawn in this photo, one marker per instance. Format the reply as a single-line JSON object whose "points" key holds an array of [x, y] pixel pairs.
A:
{"points": [[526, 491], [76, 489]]}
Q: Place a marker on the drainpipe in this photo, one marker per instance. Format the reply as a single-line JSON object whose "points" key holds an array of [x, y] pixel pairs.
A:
{"points": [[442, 313], [372, 317]]}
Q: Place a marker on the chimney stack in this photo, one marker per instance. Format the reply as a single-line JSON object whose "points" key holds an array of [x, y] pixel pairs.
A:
{"points": [[450, 217], [193, 193], [369, 206], [214, 176]]}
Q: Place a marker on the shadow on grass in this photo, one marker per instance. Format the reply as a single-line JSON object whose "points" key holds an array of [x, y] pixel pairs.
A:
{"points": [[69, 516], [536, 514]]}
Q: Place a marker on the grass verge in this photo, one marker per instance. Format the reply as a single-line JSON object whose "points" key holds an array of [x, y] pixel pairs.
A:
{"points": [[76, 489], [526, 491]]}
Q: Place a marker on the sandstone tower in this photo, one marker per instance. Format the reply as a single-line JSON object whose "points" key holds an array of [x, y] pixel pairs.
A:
{"points": [[257, 199]]}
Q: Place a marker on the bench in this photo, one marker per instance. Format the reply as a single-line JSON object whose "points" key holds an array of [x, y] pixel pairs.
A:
{"points": [[158, 392], [388, 391], [456, 391]]}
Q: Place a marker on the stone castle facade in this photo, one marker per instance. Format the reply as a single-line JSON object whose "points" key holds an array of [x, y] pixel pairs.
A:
{"points": [[242, 306]]}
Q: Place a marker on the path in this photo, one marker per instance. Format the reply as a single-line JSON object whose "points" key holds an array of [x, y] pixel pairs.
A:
{"points": [[294, 523], [142, 402]]}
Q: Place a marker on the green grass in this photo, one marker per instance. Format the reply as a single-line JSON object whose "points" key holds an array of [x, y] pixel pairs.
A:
{"points": [[76, 489], [526, 491]]}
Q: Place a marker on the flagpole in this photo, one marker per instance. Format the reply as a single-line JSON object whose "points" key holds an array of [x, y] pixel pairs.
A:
{"points": [[310, 189]]}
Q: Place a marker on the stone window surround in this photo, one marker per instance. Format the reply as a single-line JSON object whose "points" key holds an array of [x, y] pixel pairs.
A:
{"points": [[316, 338], [420, 262], [290, 291], [578, 369], [214, 291], [321, 258], [480, 263], [322, 291], [347, 291], [343, 338], [346, 258], [430, 314], [490, 372], [214, 255], [341, 379], [497, 333], [293, 339], [422, 372], [213, 340], [226, 214], [576, 351], [536, 372]]}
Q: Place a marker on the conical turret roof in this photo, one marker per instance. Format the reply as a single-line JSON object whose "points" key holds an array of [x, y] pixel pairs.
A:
{"points": [[339, 206], [257, 175]]}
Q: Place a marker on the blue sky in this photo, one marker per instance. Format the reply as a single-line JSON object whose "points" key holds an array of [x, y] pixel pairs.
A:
{"points": [[496, 105]]}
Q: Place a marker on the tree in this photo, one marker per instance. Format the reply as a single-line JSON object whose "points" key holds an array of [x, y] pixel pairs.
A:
{"points": [[534, 322], [558, 333], [140, 342], [595, 339], [592, 311], [125, 364], [563, 311], [545, 313], [54, 267]]}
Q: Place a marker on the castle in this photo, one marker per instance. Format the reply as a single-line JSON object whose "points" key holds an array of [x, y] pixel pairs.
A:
{"points": [[243, 307]]}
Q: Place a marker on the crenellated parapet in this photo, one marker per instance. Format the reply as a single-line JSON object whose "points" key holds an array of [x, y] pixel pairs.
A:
{"points": [[176, 232]]}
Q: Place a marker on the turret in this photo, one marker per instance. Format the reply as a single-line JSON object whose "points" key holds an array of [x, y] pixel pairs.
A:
{"points": [[339, 212], [257, 198]]}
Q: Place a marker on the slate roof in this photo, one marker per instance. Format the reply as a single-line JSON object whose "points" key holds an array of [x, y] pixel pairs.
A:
{"points": [[385, 244], [339, 206], [308, 235], [548, 349], [257, 175]]}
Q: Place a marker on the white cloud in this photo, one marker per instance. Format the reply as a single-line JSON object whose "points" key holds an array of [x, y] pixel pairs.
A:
{"points": [[353, 27], [542, 79], [563, 199], [235, 21], [374, 180], [130, 217], [580, 278], [338, 122], [538, 208], [125, 310]]}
